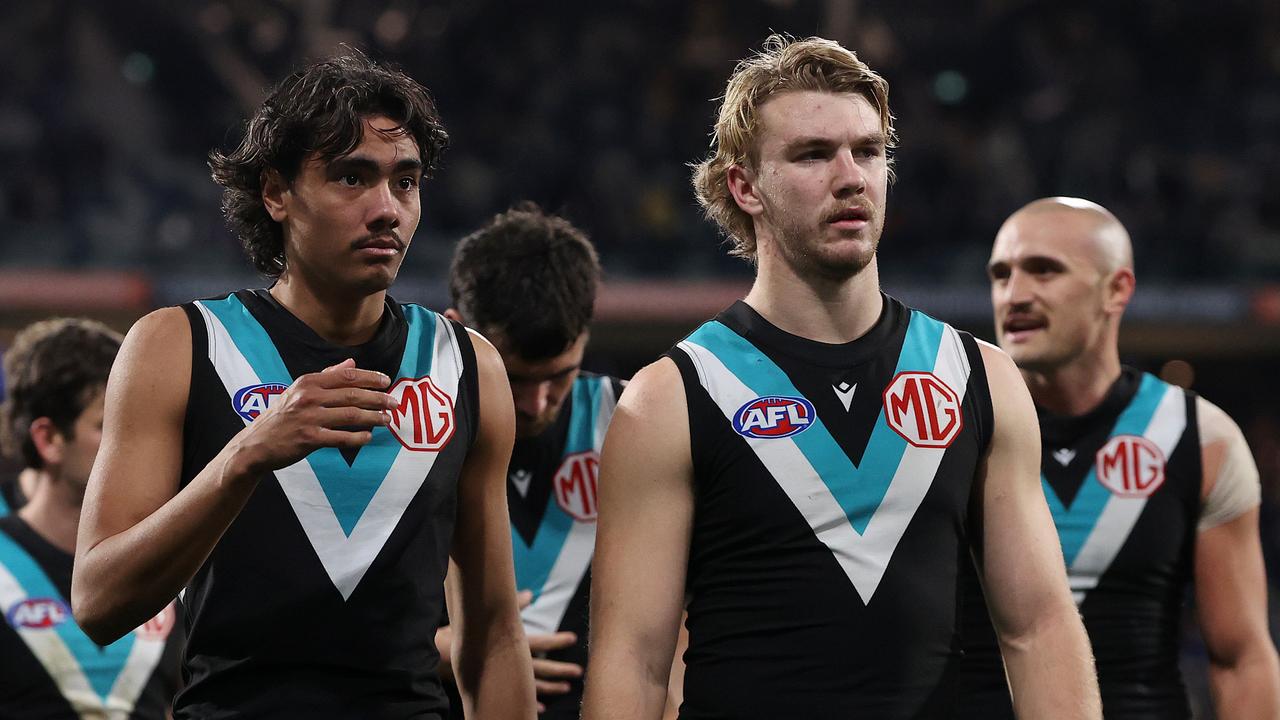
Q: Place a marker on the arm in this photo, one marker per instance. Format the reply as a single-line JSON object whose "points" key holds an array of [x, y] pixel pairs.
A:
{"points": [[550, 677], [1230, 583], [675, 686], [490, 655], [1045, 648], [141, 539], [642, 548]]}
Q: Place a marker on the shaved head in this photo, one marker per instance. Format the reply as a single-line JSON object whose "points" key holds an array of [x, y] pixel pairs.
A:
{"points": [[1101, 236]]}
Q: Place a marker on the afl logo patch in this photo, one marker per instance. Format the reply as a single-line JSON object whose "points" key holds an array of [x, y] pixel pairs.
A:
{"points": [[38, 613], [575, 485], [775, 416], [250, 402], [424, 419], [1130, 466]]}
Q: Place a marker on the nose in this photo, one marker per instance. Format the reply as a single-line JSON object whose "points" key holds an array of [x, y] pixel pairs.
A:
{"points": [[1017, 291], [531, 398], [384, 210], [849, 177]]}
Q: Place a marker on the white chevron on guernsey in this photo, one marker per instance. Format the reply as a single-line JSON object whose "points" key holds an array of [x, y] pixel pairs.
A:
{"points": [[345, 557], [863, 557]]}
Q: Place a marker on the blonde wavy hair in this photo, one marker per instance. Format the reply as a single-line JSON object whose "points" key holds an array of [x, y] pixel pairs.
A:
{"points": [[784, 64]]}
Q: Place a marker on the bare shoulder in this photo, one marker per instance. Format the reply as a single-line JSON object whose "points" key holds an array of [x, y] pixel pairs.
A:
{"points": [[1008, 389], [657, 388], [155, 360], [488, 361]]}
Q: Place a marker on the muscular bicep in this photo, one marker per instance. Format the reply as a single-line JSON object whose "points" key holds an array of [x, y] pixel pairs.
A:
{"points": [[1022, 559], [645, 520], [138, 463]]}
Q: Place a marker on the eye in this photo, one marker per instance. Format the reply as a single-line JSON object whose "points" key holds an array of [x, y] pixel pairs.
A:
{"points": [[871, 151], [408, 183], [349, 180]]}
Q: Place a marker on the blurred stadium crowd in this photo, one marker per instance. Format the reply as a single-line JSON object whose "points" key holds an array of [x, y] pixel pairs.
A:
{"points": [[1168, 113]]}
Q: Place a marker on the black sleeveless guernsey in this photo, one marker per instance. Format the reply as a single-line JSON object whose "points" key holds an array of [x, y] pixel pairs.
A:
{"points": [[323, 597], [1123, 483], [831, 493], [551, 497]]}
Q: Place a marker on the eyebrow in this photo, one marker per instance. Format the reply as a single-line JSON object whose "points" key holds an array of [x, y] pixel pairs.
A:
{"points": [[803, 143], [356, 163]]}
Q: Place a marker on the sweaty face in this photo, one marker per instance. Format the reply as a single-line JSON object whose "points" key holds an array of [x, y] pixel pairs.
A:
{"points": [[541, 387], [821, 181], [348, 221], [81, 449], [1047, 289]]}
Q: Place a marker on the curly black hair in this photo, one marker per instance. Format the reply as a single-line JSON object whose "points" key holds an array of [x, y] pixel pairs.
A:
{"points": [[528, 280], [53, 369], [318, 110]]}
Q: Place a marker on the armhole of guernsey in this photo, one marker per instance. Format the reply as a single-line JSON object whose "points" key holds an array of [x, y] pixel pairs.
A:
{"points": [[693, 393], [470, 379], [980, 392]]}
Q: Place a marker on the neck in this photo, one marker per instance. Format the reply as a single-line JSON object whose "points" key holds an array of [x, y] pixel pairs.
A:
{"points": [[1074, 389], [336, 317], [53, 511], [818, 308]]}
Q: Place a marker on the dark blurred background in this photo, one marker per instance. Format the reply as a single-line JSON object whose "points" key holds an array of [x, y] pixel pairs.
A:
{"points": [[1166, 112]]}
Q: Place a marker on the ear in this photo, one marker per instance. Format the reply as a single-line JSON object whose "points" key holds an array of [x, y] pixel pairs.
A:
{"points": [[742, 185], [274, 190], [453, 315], [48, 439], [1120, 289]]}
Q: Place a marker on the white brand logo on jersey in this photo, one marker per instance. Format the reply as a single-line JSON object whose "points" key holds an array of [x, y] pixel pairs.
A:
{"points": [[922, 409], [1130, 466], [575, 485], [1064, 456], [521, 479], [845, 391], [424, 418]]}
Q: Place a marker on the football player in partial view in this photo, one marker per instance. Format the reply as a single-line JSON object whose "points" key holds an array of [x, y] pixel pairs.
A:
{"points": [[51, 419], [1151, 486], [306, 460]]}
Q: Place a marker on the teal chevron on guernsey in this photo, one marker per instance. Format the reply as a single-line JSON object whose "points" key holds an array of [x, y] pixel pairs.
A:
{"points": [[348, 492], [100, 666], [534, 562], [347, 511], [859, 490], [1076, 522], [554, 564], [843, 503], [1097, 523]]}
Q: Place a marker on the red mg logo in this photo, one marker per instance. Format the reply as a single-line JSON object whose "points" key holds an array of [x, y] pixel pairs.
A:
{"points": [[424, 418], [1130, 466], [158, 627], [922, 409], [575, 485]]}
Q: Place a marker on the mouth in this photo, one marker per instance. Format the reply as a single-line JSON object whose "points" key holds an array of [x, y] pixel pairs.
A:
{"points": [[385, 245], [850, 218], [1020, 328]]}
